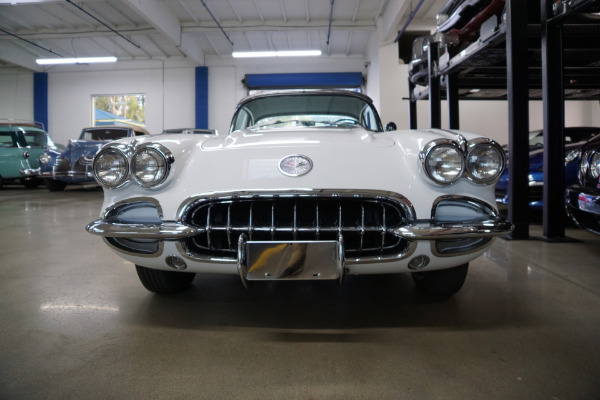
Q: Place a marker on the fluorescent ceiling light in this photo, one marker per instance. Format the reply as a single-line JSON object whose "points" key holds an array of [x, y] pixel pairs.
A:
{"points": [[290, 53], [79, 60]]}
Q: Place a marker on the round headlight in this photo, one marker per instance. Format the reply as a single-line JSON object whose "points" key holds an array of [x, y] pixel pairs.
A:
{"points": [[45, 158], [149, 166], [110, 167], [595, 165], [444, 164], [485, 163]]}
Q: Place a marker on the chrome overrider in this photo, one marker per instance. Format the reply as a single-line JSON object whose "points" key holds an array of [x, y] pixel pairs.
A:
{"points": [[483, 223]]}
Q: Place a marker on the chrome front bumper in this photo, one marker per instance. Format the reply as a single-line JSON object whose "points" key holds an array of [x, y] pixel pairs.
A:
{"points": [[419, 230]]}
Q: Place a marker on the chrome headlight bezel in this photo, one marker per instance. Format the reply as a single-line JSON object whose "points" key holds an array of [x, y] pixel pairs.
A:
{"points": [[433, 149], [161, 155], [594, 165], [119, 152], [470, 166]]}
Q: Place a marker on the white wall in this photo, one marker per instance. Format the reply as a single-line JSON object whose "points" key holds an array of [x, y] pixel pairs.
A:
{"points": [[170, 94], [16, 94], [169, 97]]}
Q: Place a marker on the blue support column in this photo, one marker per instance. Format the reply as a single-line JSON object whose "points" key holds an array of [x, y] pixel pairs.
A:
{"points": [[201, 106], [40, 98]]}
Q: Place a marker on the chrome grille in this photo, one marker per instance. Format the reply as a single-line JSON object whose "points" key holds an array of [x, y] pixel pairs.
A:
{"points": [[364, 223]]}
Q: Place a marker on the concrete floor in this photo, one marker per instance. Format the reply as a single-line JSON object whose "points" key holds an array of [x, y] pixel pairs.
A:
{"points": [[75, 323]]}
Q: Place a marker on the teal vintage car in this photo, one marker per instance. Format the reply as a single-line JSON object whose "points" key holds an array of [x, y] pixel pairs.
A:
{"points": [[21, 144]]}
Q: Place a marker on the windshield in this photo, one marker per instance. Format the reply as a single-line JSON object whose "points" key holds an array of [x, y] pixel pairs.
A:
{"points": [[306, 110], [103, 134], [572, 135]]}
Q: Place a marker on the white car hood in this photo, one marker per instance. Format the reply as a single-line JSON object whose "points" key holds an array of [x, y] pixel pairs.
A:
{"points": [[343, 159]]}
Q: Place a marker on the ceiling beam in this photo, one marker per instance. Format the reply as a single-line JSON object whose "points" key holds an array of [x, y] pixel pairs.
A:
{"points": [[159, 16], [18, 55], [392, 16]]}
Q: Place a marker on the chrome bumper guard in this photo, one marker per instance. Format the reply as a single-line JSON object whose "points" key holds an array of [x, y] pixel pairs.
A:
{"points": [[419, 230]]}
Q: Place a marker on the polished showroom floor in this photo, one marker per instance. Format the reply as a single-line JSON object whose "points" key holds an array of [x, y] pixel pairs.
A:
{"points": [[75, 323]]}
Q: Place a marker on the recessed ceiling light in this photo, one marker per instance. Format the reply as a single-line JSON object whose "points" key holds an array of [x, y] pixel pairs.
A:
{"points": [[78, 60], [287, 53]]}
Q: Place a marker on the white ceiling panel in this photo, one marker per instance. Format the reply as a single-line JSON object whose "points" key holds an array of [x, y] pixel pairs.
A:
{"points": [[144, 30]]}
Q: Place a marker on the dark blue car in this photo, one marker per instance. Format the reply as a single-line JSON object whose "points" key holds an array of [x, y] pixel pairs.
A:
{"points": [[575, 137], [74, 165], [583, 198]]}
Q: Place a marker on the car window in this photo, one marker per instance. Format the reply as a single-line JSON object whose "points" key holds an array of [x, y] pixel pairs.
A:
{"points": [[104, 134], [6, 139], [306, 110], [35, 138]]}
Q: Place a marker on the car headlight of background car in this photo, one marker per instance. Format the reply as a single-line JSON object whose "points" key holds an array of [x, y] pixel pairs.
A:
{"points": [[45, 158], [148, 165], [445, 161]]}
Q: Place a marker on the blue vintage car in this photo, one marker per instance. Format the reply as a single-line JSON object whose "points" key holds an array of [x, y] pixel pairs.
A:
{"points": [[575, 137], [74, 165], [583, 198], [21, 143]]}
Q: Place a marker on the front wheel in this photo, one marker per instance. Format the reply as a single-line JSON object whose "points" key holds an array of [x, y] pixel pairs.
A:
{"points": [[54, 185], [164, 282], [443, 282]]}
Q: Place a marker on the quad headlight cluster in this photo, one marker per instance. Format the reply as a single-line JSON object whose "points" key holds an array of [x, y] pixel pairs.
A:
{"points": [[589, 168], [147, 165], [445, 161]]}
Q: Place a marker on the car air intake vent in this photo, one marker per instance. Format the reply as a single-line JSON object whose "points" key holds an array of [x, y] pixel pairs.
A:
{"points": [[365, 224]]}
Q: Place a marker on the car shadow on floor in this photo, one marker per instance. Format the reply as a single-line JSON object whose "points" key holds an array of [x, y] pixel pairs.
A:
{"points": [[366, 301]]}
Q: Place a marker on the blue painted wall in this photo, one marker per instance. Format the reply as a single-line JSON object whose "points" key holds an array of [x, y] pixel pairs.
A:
{"points": [[40, 98], [201, 107]]}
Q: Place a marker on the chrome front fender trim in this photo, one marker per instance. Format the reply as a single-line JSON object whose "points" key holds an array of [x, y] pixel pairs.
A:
{"points": [[163, 231], [426, 230]]}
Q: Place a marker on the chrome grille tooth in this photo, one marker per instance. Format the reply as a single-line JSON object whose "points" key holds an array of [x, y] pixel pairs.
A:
{"points": [[208, 227], [273, 221], [295, 216], [318, 229], [250, 221], [362, 225], [229, 224], [383, 227]]}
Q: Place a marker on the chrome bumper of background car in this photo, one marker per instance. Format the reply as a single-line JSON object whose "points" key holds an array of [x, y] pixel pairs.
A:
{"points": [[583, 201], [30, 172], [421, 230], [67, 174]]}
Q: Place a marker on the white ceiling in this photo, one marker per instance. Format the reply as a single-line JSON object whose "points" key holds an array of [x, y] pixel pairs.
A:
{"points": [[142, 30]]}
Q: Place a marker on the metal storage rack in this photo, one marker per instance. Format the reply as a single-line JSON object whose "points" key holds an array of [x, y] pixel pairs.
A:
{"points": [[555, 57]]}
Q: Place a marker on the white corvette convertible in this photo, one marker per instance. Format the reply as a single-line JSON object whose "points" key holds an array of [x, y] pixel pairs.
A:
{"points": [[307, 185]]}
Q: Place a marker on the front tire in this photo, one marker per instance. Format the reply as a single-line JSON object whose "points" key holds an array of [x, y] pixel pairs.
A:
{"points": [[164, 282], [55, 186], [443, 282]]}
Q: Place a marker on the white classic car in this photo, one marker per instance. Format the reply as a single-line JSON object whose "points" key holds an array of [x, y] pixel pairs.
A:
{"points": [[307, 185]]}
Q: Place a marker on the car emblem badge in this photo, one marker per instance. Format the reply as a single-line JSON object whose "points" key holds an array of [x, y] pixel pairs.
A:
{"points": [[295, 165]]}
